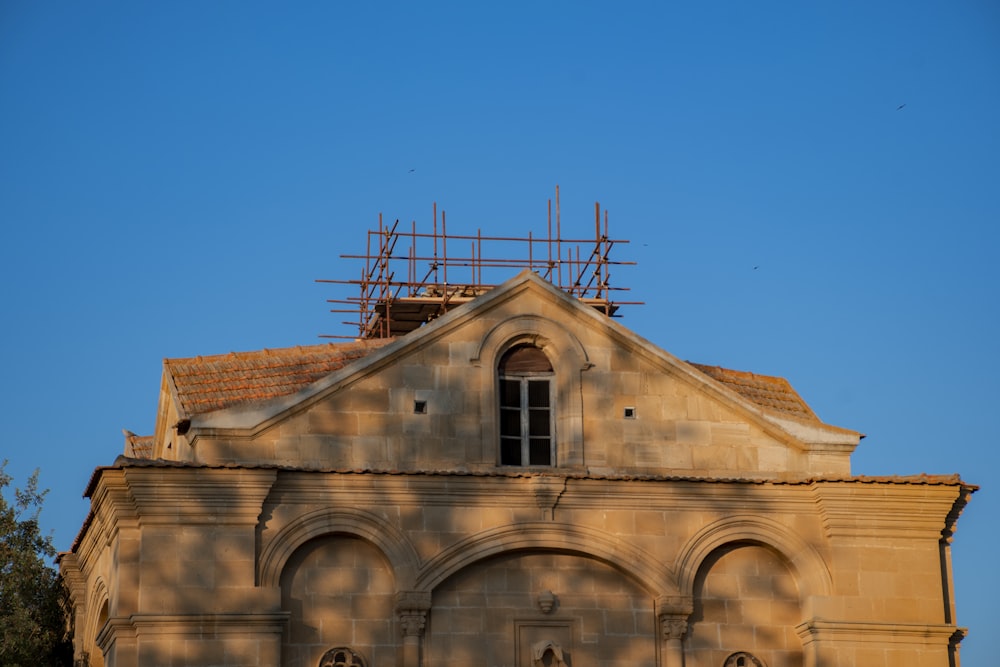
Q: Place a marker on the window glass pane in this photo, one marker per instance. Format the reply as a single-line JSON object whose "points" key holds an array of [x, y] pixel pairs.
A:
{"points": [[510, 423], [525, 406], [538, 393], [510, 451], [539, 453], [510, 393], [538, 422]]}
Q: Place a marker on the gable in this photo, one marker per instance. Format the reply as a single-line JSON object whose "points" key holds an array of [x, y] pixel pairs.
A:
{"points": [[428, 400]]}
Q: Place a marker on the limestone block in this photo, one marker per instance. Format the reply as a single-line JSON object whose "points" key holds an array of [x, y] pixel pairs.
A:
{"points": [[677, 456], [368, 397], [649, 522], [694, 432], [325, 419]]}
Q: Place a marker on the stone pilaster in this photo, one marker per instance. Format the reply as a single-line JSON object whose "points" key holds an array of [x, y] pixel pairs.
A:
{"points": [[412, 608], [672, 613]]}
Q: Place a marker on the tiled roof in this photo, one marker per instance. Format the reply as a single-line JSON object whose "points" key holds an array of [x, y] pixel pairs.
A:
{"points": [[204, 384], [138, 446], [208, 383], [769, 392]]}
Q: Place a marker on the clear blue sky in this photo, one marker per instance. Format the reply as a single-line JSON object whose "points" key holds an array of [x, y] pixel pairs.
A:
{"points": [[174, 176]]}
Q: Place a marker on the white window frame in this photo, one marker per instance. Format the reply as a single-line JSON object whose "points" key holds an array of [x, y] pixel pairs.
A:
{"points": [[524, 411]]}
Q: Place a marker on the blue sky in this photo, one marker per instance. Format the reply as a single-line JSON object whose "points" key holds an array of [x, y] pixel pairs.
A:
{"points": [[175, 176]]}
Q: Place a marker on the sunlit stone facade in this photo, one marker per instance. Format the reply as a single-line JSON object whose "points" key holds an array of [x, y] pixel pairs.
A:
{"points": [[338, 505]]}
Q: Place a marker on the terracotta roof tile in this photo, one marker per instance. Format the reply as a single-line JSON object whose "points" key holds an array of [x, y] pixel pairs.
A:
{"points": [[142, 446], [208, 383], [769, 392], [204, 384]]}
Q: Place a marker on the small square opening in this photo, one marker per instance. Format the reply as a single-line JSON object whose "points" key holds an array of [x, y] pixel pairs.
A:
{"points": [[419, 407], [630, 413]]}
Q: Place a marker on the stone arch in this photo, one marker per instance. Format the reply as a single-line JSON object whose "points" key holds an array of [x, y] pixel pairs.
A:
{"points": [[564, 348], [357, 523], [655, 577], [569, 359], [808, 566], [99, 606]]}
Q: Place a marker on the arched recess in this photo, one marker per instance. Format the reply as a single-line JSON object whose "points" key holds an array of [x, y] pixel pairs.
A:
{"points": [[655, 577], [99, 604], [569, 359], [385, 537], [533, 330], [338, 590], [811, 571]]}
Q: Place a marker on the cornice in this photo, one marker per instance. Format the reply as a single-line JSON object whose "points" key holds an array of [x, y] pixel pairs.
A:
{"points": [[691, 496], [199, 495], [112, 509], [882, 634], [114, 628], [541, 491], [873, 511], [199, 625], [965, 493], [196, 626], [76, 582], [362, 490]]}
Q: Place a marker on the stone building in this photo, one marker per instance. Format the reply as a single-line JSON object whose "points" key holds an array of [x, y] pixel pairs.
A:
{"points": [[521, 482]]}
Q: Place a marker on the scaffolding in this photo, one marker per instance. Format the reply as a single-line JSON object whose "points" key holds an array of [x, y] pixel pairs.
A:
{"points": [[388, 305]]}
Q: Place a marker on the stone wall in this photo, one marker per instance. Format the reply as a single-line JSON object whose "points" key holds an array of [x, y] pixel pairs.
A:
{"points": [[492, 613], [745, 599], [338, 591]]}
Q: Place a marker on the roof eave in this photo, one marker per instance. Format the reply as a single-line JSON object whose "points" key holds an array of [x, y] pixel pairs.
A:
{"points": [[817, 435]]}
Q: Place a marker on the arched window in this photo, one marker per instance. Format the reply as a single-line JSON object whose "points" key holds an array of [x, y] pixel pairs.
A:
{"points": [[742, 659], [342, 657], [526, 408]]}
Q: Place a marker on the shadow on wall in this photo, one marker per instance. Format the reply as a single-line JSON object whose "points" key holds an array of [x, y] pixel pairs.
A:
{"points": [[340, 588], [746, 600], [340, 591]]}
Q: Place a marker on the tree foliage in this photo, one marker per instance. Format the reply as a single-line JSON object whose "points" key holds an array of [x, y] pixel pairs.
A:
{"points": [[33, 628]]}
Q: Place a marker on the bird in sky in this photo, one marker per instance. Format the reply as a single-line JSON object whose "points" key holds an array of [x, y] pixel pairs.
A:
{"points": [[900, 107]]}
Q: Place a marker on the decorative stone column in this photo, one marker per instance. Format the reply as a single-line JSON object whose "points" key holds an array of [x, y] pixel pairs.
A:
{"points": [[672, 612], [412, 608]]}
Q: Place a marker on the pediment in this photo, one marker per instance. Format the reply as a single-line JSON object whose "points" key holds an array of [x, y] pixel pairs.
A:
{"points": [[625, 404]]}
